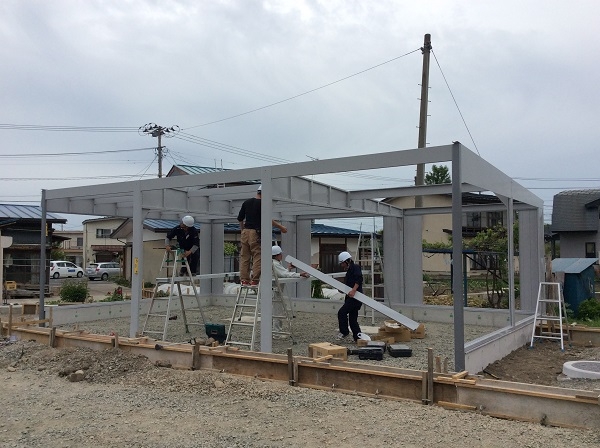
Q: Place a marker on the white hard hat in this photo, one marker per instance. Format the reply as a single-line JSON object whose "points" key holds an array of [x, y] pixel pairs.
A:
{"points": [[344, 256], [187, 221], [275, 250]]}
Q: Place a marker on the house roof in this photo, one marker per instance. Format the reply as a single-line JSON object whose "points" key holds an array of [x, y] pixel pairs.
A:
{"points": [[178, 170], [27, 213], [164, 225], [572, 265], [182, 170], [575, 211]]}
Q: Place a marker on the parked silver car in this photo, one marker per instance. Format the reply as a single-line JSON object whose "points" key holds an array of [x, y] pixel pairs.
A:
{"points": [[103, 270], [64, 269]]}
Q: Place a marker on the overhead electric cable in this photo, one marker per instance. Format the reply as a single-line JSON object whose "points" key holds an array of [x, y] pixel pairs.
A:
{"points": [[79, 153], [455, 103], [38, 127], [304, 93]]}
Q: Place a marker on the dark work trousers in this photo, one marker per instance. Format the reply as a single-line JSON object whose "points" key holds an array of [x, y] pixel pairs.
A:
{"points": [[349, 311], [193, 262]]}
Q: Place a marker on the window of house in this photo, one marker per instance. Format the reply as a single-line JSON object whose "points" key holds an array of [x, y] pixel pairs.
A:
{"points": [[494, 219], [103, 233], [474, 220], [590, 250], [79, 241]]}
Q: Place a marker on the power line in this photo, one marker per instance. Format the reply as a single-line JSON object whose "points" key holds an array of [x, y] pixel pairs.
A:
{"points": [[121, 176], [38, 127], [79, 153], [304, 93], [455, 103]]}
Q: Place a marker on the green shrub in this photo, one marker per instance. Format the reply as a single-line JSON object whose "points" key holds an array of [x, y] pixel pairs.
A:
{"points": [[316, 289], [74, 291], [116, 296], [122, 281], [148, 285], [589, 310]]}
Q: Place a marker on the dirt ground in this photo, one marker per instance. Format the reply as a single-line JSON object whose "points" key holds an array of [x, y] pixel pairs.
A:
{"points": [[543, 364], [124, 400]]}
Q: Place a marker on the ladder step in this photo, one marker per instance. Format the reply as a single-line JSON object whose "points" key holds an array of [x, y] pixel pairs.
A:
{"points": [[247, 344]]}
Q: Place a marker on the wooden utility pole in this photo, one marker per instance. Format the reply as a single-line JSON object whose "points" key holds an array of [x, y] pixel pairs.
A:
{"points": [[420, 178], [158, 131]]}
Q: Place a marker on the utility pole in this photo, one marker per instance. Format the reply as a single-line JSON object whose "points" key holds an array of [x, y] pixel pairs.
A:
{"points": [[420, 178], [154, 130]]}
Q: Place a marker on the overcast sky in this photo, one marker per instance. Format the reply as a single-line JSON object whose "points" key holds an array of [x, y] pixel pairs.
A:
{"points": [[524, 75]]}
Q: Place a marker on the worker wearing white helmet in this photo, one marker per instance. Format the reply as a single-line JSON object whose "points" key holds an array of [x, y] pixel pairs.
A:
{"points": [[348, 313], [188, 241]]}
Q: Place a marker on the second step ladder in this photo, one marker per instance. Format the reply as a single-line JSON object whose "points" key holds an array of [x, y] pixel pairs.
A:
{"points": [[246, 315], [177, 272]]}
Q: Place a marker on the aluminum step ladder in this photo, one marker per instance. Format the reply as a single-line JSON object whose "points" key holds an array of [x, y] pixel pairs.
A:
{"points": [[551, 315], [177, 271], [368, 256], [246, 316]]}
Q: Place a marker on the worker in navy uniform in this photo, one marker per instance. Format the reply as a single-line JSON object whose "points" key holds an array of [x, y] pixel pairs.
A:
{"points": [[348, 313], [188, 241], [250, 220]]}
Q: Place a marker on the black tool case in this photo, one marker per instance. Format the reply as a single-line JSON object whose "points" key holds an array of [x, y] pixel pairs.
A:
{"points": [[375, 344], [375, 353], [399, 350]]}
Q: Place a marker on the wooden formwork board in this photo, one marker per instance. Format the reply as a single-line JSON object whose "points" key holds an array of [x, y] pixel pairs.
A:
{"points": [[526, 402]]}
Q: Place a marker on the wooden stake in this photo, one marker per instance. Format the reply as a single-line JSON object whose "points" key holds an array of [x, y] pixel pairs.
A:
{"points": [[430, 376], [196, 356], [10, 318], [424, 387], [290, 357], [438, 364], [52, 338]]}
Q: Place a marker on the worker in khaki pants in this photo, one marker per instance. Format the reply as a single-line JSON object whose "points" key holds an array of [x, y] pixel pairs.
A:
{"points": [[249, 219]]}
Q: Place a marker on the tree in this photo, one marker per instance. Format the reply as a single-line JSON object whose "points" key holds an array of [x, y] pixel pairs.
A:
{"points": [[438, 175], [492, 245]]}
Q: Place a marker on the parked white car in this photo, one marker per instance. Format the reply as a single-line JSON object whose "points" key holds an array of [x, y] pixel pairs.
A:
{"points": [[65, 269]]}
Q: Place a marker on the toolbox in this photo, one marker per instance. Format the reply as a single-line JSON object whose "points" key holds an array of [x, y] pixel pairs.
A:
{"points": [[399, 350], [375, 353], [216, 331], [380, 344]]}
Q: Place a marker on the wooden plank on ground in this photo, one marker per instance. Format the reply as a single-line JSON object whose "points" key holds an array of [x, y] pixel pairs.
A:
{"points": [[378, 306]]}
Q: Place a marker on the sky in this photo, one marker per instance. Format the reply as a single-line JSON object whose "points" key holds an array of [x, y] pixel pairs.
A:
{"points": [[247, 83]]}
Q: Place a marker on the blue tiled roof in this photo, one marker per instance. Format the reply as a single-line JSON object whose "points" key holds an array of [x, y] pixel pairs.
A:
{"points": [[32, 212]]}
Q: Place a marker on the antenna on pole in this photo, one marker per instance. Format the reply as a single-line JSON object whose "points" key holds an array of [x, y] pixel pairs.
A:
{"points": [[420, 178], [154, 130]]}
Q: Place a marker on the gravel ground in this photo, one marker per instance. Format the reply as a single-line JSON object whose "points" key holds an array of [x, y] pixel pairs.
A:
{"points": [[307, 328], [124, 400]]}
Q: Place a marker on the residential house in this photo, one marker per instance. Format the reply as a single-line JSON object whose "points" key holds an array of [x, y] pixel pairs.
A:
{"points": [[98, 245], [326, 243], [436, 227], [21, 261], [576, 221], [72, 245]]}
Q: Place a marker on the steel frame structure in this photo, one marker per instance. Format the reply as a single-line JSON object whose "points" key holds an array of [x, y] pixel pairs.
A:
{"points": [[290, 197]]}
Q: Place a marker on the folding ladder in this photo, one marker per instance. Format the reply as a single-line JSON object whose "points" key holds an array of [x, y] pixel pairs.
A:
{"points": [[550, 310], [246, 315], [368, 256], [159, 313]]}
